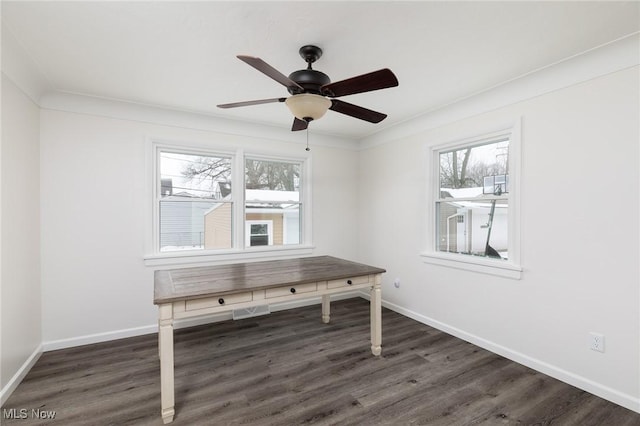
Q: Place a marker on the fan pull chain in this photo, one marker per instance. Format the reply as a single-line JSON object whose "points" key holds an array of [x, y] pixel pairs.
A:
{"points": [[307, 148]]}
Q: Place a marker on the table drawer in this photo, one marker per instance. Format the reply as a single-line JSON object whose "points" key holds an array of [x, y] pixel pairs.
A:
{"points": [[210, 302], [291, 290], [346, 282]]}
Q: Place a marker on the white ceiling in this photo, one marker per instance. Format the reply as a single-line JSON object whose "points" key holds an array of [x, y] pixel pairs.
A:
{"points": [[181, 55]]}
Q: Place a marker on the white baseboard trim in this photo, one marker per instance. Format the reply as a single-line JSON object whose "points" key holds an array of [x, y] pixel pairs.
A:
{"points": [[6, 391], [189, 322], [605, 392], [89, 339], [617, 397]]}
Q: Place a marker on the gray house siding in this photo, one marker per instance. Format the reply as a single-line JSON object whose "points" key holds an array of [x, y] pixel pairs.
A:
{"points": [[182, 223]]}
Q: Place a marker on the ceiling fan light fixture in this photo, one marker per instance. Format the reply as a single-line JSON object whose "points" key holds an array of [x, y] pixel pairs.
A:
{"points": [[313, 93], [307, 106]]}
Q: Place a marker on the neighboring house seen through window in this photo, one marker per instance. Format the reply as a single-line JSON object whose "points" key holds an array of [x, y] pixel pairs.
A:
{"points": [[472, 209], [272, 201], [226, 202], [195, 206]]}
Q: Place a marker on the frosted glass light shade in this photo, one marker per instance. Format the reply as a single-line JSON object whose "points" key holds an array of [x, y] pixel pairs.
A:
{"points": [[307, 106]]}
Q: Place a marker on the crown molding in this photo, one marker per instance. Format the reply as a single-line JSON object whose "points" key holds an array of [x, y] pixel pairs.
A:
{"points": [[606, 59], [131, 111], [27, 75], [20, 68], [617, 55]]}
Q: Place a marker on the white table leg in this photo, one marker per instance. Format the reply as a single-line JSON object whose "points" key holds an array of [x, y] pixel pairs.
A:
{"points": [[326, 308], [165, 341], [376, 316]]}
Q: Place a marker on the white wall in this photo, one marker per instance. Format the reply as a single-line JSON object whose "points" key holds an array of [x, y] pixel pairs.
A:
{"points": [[95, 217], [579, 236], [368, 205], [20, 238]]}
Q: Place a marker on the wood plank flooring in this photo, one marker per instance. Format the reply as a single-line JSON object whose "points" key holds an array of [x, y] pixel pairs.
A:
{"points": [[288, 368]]}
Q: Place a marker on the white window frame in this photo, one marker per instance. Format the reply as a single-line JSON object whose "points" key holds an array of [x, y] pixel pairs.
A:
{"points": [[509, 268], [157, 197], [301, 191], [247, 231], [238, 252]]}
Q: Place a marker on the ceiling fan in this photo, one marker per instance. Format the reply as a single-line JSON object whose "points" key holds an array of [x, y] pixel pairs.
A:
{"points": [[313, 93]]}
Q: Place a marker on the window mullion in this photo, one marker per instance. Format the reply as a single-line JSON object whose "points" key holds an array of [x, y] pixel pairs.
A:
{"points": [[476, 199], [156, 199], [238, 197]]}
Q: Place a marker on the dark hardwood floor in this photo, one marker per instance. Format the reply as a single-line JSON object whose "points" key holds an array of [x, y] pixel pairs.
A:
{"points": [[288, 368]]}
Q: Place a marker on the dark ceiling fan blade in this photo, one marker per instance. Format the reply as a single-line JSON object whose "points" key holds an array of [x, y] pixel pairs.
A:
{"points": [[298, 124], [375, 80], [270, 71], [356, 111], [248, 103]]}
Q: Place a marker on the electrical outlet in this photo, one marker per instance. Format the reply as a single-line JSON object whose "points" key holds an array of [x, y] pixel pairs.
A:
{"points": [[596, 341]]}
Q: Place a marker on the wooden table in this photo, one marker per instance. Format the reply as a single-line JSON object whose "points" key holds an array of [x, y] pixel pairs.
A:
{"points": [[190, 292]]}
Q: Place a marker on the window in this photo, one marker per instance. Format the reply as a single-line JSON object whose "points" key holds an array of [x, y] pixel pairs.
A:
{"points": [[272, 201], [259, 233], [227, 204], [195, 205], [474, 204]]}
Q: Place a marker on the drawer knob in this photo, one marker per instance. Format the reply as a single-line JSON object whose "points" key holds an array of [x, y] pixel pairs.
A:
{"points": [[293, 290], [349, 282], [221, 301]]}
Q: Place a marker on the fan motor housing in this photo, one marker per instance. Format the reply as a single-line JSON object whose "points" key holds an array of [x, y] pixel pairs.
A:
{"points": [[310, 80]]}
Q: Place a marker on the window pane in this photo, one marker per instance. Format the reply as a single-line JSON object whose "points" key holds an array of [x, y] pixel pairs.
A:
{"points": [[188, 175], [473, 171], [194, 225], [262, 229], [478, 228], [272, 194], [272, 180], [192, 214], [284, 217], [259, 240]]}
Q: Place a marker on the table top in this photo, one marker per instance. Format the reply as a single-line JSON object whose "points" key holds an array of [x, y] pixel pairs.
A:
{"points": [[199, 282]]}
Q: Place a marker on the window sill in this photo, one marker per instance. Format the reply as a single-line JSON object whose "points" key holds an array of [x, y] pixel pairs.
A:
{"points": [[468, 263], [226, 256]]}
